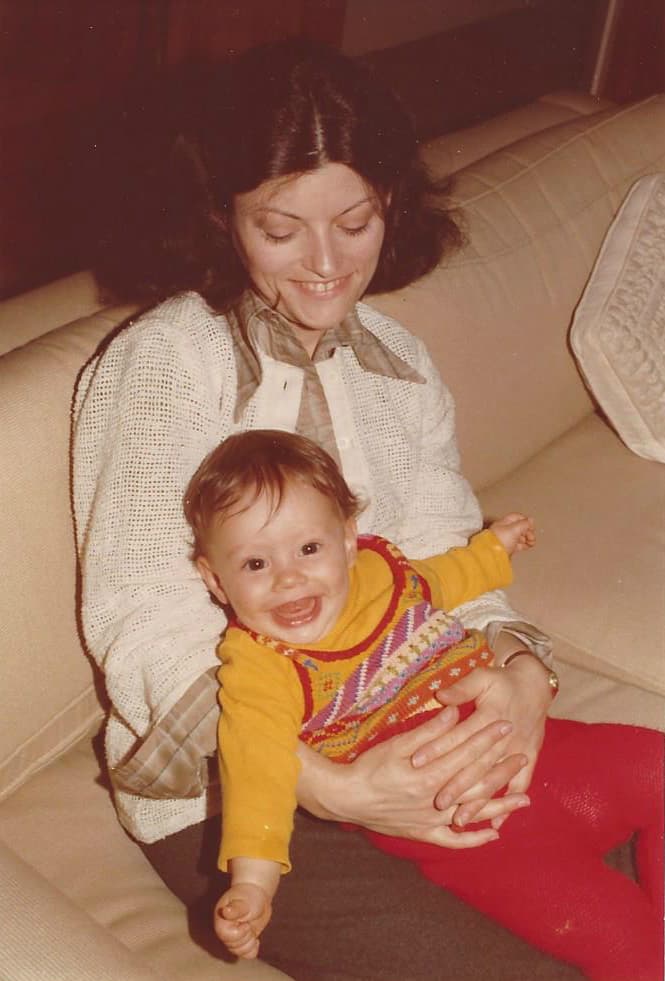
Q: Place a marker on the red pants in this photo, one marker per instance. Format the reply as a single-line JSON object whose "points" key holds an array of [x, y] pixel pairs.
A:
{"points": [[594, 787]]}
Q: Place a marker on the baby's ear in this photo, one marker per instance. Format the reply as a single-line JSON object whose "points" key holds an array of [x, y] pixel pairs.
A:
{"points": [[351, 540], [211, 579]]}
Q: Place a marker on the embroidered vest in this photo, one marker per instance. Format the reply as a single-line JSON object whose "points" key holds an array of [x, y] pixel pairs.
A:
{"points": [[413, 651]]}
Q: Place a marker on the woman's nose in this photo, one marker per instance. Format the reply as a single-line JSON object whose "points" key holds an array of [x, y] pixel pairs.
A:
{"points": [[323, 254]]}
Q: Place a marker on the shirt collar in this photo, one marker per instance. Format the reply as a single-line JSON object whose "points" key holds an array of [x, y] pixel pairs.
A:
{"points": [[257, 327]]}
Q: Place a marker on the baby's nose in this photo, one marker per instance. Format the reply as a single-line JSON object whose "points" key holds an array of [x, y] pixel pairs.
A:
{"points": [[288, 575]]}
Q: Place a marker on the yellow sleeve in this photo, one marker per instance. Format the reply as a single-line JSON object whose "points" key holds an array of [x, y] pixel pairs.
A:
{"points": [[262, 709], [461, 574]]}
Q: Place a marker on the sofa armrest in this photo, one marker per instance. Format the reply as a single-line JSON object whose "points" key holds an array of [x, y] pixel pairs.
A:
{"points": [[40, 310], [45, 936]]}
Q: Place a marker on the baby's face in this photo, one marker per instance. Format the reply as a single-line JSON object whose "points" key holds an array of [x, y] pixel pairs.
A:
{"points": [[284, 572]]}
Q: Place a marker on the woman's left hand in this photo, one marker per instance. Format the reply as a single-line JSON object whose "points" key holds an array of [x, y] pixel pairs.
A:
{"points": [[520, 693]]}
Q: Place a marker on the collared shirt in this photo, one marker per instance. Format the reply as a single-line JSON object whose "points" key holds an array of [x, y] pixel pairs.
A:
{"points": [[257, 329]]}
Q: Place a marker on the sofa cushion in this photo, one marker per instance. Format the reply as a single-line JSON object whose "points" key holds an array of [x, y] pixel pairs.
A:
{"points": [[32, 314], [618, 332], [596, 580], [452, 151], [535, 214], [590, 697], [62, 823], [71, 947], [57, 700]]}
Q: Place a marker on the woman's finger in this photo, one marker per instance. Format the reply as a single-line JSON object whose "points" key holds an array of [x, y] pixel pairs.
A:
{"points": [[442, 741], [491, 781], [447, 838], [430, 733], [498, 807], [463, 767]]}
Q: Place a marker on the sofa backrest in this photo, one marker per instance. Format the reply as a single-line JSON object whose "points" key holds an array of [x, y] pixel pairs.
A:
{"points": [[38, 311], [48, 692], [496, 315]]}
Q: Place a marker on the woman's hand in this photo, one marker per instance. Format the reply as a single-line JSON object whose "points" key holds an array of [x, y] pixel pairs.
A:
{"points": [[384, 791], [519, 693]]}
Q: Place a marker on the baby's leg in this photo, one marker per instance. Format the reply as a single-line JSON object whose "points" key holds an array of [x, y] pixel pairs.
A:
{"points": [[546, 879], [614, 783]]}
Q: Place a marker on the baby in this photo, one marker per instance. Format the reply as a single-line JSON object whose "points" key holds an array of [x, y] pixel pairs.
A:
{"points": [[333, 638]]}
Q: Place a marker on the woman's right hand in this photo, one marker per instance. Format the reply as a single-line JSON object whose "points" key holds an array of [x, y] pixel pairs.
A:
{"points": [[383, 791]]}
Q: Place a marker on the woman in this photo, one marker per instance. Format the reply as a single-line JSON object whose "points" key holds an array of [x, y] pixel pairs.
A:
{"points": [[301, 193]]}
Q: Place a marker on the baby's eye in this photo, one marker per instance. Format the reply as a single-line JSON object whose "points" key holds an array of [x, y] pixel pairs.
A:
{"points": [[311, 548], [254, 565]]}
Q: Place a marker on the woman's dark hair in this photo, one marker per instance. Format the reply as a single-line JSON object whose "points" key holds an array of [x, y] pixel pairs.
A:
{"points": [[280, 109]]}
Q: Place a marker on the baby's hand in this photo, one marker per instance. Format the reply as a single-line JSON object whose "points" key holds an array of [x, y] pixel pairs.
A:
{"points": [[240, 916], [516, 532]]}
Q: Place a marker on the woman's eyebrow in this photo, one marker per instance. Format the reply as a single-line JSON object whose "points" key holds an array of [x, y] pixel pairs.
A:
{"points": [[267, 208], [366, 200]]}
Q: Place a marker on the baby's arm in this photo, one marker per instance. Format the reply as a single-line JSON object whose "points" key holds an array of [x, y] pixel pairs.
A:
{"points": [[515, 531], [245, 909]]}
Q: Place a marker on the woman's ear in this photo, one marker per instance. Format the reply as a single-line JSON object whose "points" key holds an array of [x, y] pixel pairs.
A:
{"points": [[211, 579], [351, 540]]}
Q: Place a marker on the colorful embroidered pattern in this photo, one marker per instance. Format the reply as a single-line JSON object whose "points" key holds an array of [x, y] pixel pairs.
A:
{"points": [[357, 697]]}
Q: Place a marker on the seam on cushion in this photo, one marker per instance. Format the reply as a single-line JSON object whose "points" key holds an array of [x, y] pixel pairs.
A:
{"points": [[607, 669], [562, 146], [470, 261], [54, 738]]}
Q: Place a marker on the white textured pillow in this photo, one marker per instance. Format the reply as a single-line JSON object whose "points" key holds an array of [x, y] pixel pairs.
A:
{"points": [[618, 332]]}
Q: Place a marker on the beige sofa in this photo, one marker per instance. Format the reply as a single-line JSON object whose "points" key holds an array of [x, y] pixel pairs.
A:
{"points": [[77, 898]]}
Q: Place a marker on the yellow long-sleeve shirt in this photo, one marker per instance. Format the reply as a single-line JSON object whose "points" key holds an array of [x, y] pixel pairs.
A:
{"points": [[270, 691]]}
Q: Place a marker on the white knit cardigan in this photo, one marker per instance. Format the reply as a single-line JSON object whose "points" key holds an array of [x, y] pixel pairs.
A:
{"points": [[161, 396]]}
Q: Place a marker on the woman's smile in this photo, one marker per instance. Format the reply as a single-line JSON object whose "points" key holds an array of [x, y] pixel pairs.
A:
{"points": [[325, 290]]}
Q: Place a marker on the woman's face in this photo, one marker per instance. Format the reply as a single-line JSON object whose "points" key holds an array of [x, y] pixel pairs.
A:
{"points": [[310, 245]]}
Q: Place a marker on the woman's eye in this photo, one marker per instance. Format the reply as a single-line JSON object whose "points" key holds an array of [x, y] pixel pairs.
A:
{"points": [[311, 548], [355, 229], [277, 236], [254, 565]]}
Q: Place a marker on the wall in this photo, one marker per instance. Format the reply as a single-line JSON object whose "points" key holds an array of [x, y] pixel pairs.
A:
{"points": [[370, 25]]}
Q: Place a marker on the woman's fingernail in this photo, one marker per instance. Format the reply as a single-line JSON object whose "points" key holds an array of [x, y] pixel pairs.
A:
{"points": [[505, 728]]}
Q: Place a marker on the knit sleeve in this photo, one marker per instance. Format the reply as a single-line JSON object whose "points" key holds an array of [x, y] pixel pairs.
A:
{"points": [[444, 511], [262, 710], [145, 414]]}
